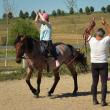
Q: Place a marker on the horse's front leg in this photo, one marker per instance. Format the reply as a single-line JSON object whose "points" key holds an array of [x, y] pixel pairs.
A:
{"points": [[56, 80], [74, 75], [38, 82], [28, 77]]}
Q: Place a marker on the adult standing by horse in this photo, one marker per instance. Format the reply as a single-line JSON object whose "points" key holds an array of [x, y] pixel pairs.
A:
{"points": [[46, 36], [99, 46]]}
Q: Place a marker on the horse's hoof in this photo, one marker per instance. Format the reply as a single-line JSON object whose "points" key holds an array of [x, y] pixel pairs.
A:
{"points": [[49, 94], [75, 94], [35, 92]]}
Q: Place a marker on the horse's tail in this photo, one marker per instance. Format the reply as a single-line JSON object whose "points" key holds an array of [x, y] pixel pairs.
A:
{"points": [[79, 58]]}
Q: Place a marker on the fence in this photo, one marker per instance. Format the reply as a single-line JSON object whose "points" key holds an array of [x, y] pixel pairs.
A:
{"points": [[10, 60]]}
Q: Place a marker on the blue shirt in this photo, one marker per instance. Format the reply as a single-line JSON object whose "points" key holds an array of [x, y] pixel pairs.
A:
{"points": [[45, 32]]}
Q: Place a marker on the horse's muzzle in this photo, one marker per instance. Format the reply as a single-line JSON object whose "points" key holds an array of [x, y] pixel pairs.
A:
{"points": [[18, 60]]}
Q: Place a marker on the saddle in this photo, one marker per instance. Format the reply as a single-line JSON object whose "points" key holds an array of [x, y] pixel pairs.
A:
{"points": [[46, 48]]}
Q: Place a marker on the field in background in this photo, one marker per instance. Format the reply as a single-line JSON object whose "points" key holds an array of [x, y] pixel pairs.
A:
{"points": [[68, 29], [66, 26]]}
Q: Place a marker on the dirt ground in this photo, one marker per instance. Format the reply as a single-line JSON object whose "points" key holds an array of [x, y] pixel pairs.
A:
{"points": [[15, 95]]}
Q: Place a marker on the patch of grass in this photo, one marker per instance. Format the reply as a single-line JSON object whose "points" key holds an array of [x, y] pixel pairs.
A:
{"points": [[19, 74]]}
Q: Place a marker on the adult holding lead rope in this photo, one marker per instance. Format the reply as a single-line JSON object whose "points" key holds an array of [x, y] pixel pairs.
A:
{"points": [[99, 46]]}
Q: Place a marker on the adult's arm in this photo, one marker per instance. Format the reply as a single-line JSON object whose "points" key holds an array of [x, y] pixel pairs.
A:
{"points": [[107, 26], [88, 30]]}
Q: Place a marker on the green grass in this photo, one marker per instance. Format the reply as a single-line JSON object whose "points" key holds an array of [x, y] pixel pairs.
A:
{"points": [[19, 74], [11, 52]]}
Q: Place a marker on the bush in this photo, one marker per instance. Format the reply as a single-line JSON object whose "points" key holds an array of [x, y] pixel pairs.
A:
{"points": [[22, 26]]}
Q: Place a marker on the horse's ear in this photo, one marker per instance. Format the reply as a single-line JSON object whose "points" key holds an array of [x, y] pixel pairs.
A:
{"points": [[23, 37]]}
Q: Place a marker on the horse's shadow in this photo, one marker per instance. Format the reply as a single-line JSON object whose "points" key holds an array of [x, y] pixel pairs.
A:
{"points": [[67, 95]]}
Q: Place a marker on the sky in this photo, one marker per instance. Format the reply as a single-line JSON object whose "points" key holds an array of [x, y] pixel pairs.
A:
{"points": [[49, 5]]}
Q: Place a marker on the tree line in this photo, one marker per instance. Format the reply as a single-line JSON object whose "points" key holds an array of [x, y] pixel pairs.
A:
{"points": [[58, 12]]}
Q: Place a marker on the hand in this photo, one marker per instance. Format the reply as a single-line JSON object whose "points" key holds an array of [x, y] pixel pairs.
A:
{"points": [[103, 21]]}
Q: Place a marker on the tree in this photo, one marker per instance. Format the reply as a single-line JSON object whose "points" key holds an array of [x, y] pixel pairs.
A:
{"points": [[54, 13], [4, 16], [21, 14], [10, 15], [26, 14], [22, 26], [103, 9], [71, 5], [40, 10], [80, 10], [87, 10], [108, 8], [91, 9], [44, 11], [58, 12], [33, 15], [62, 13], [71, 10]]}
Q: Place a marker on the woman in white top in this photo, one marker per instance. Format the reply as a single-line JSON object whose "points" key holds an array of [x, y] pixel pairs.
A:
{"points": [[99, 46]]}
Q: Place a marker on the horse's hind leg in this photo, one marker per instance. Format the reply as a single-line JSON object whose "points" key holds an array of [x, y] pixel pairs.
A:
{"points": [[29, 74], [38, 82], [56, 80], [74, 75]]}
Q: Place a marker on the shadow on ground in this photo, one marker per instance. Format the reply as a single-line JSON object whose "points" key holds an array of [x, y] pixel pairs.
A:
{"points": [[67, 95]]}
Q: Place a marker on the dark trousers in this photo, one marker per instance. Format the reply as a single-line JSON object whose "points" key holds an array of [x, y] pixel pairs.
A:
{"points": [[102, 70], [48, 47]]}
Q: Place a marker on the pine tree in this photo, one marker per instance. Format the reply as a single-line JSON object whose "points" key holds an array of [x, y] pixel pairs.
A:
{"points": [[21, 14], [80, 10], [71, 10], [87, 10], [91, 9], [103, 9], [54, 13], [26, 14], [33, 15]]}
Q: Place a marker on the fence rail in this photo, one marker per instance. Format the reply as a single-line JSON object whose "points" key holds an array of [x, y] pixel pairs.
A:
{"points": [[11, 64]]}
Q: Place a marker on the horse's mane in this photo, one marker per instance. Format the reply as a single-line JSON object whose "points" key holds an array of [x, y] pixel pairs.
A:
{"points": [[29, 42]]}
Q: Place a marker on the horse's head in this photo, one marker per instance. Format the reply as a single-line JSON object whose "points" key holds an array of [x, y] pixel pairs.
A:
{"points": [[20, 47]]}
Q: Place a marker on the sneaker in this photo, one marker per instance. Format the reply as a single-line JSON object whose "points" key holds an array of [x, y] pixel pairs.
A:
{"points": [[57, 63], [104, 103]]}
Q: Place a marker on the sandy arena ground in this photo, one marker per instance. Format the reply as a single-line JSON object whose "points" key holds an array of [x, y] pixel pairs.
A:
{"points": [[15, 95]]}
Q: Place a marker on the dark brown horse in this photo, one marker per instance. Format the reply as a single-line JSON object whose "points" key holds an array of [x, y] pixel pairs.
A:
{"points": [[30, 49]]}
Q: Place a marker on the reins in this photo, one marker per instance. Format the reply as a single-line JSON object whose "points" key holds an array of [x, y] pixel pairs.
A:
{"points": [[72, 60]]}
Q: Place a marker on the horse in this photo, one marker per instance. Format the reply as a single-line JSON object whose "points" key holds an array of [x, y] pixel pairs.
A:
{"points": [[30, 49]]}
